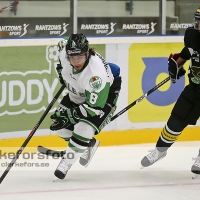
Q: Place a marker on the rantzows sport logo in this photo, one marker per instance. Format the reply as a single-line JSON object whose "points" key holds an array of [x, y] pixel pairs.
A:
{"points": [[54, 29], [22, 30], [176, 26], [95, 82], [107, 29], [14, 30], [141, 28]]}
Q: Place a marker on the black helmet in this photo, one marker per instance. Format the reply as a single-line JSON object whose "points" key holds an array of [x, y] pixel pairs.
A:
{"points": [[197, 19], [77, 44], [197, 14]]}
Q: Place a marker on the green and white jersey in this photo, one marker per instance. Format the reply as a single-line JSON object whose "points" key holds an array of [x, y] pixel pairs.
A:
{"points": [[89, 87]]}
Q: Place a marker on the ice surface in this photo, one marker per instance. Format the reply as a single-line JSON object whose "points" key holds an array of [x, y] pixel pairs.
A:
{"points": [[114, 174]]}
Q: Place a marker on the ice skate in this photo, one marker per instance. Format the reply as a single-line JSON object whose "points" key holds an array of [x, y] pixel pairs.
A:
{"points": [[89, 152], [194, 176], [195, 169], [62, 169], [152, 157]]}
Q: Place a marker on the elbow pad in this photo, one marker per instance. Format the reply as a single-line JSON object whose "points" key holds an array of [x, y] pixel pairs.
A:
{"points": [[186, 53]]}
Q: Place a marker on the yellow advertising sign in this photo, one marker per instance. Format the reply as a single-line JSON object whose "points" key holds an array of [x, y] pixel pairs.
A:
{"points": [[148, 66]]}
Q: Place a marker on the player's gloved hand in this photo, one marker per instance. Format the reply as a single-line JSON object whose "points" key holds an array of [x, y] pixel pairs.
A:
{"points": [[60, 121], [64, 118], [175, 71], [59, 69], [181, 72], [61, 44]]}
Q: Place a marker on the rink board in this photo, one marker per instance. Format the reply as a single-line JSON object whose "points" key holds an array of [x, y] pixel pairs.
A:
{"points": [[106, 138], [29, 84]]}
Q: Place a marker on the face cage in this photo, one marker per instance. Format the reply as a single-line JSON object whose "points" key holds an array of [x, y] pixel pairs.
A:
{"points": [[196, 24]]}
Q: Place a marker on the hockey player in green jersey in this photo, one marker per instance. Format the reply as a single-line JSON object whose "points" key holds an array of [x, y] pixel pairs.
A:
{"points": [[93, 90]]}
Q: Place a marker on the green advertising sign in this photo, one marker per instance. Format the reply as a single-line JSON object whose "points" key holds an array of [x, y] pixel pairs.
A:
{"points": [[28, 82]]}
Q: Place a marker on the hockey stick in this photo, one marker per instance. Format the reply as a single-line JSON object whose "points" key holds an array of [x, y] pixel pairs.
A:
{"points": [[10, 6], [140, 98], [57, 154], [31, 134]]}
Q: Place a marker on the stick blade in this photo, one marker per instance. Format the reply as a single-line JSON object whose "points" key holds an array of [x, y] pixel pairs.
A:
{"points": [[50, 152]]}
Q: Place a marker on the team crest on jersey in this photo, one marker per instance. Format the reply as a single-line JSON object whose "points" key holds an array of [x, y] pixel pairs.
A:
{"points": [[95, 82], [195, 71], [196, 74]]}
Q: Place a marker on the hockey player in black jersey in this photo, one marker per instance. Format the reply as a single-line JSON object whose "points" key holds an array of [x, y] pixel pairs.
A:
{"points": [[186, 110]]}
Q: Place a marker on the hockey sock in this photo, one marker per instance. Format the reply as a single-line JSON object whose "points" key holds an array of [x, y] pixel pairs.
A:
{"points": [[76, 146], [166, 139]]}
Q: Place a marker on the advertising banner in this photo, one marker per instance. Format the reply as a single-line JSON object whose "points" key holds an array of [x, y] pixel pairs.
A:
{"points": [[115, 26], [28, 83], [35, 27], [98, 26], [90, 26], [148, 65]]}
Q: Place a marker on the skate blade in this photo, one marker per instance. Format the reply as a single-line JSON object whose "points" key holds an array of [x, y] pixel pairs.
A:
{"points": [[93, 152], [194, 176], [55, 179]]}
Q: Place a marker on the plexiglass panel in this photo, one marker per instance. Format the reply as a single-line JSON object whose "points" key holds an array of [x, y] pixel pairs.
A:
{"points": [[105, 18]]}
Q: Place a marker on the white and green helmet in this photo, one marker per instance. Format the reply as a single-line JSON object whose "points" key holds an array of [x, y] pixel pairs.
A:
{"points": [[77, 44]]}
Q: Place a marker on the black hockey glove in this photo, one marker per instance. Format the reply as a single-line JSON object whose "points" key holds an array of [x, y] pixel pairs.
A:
{"points": [[64, 117], [59, 69], [175, 71], [60, 121], [181, 72]]}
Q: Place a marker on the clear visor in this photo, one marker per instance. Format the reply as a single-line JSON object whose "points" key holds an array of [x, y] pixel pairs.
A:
{"points": [[77, 61], [197, 23]]}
